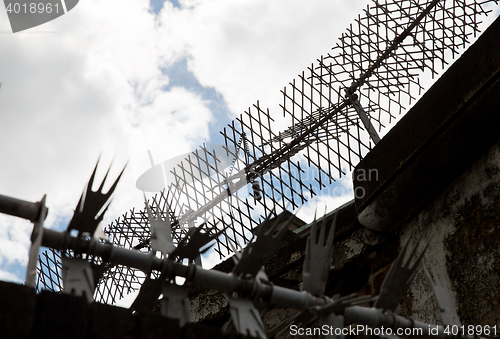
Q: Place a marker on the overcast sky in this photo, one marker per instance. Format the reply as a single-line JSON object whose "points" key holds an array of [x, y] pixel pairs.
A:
{"points": [[114, 78]]}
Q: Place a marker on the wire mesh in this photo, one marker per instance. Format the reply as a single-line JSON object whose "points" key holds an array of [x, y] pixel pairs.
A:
{"points": [[379, 59]]}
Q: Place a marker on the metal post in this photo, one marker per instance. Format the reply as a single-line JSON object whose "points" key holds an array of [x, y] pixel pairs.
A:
{"points": [[364, 117], [36, 241]]}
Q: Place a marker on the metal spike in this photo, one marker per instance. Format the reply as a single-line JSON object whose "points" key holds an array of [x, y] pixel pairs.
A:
{"points": [[330, 314], [327, 127], [399, 277], [175, 303], [86, 216], [161, 230], [190, 246], [268, 239], [443, 298], [246, 318], [317, 258], [148, 295], [338, 306], [78, 277], [103, 180]]}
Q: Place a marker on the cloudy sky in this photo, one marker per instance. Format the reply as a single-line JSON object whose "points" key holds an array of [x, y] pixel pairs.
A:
{"points": [[114, 78]]}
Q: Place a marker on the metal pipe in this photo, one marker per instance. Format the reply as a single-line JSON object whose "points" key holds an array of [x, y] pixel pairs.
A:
{"points": [[291, 298], [225, 282], [216, 280], [108, 252], [20, 208]]}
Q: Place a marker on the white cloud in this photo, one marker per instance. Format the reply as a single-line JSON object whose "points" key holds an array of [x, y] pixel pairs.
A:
{"points": [[249, 50], [328, 199], [14, 240], [210, 259], [8, 276]]}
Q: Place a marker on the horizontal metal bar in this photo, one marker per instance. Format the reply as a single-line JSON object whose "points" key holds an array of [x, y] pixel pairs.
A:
{"points": [[108, 252], [224, 282], [20, 208]]}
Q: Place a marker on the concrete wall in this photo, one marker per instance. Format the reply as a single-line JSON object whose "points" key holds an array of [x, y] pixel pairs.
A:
{"points": [[463, 224]]}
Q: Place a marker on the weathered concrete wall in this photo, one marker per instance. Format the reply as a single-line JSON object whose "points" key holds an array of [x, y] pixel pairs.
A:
{"points": [[463, 224]]}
